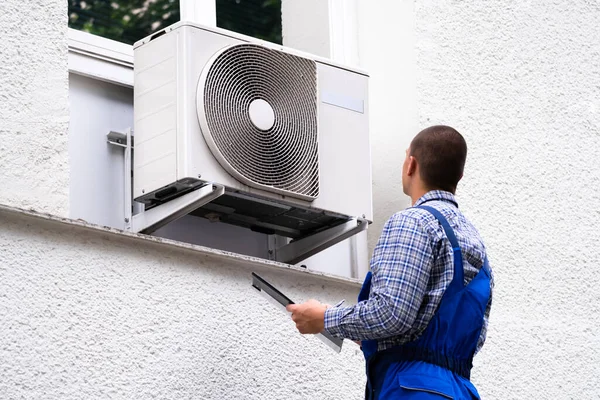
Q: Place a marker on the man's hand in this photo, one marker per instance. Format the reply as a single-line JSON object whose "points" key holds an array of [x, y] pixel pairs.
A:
{"points": [[309, 317]]}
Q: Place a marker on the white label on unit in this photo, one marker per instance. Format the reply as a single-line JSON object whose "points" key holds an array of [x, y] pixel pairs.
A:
{"points": [[349, 103]]}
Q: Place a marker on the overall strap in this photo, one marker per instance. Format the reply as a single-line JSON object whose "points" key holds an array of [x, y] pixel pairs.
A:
{"points": [[368, 347], [486, 267], [458, 278]]}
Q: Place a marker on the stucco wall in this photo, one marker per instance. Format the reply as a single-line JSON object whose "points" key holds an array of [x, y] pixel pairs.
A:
{"points": [[34, 170], [88, 314], [521, 80]]}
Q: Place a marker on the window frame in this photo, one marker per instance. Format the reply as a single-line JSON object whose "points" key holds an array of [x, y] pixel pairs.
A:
{"points": [[111, 61], [100, 58]]}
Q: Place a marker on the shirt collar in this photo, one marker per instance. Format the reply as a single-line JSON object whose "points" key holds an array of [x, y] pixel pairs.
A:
{"points": [[437, 195]]}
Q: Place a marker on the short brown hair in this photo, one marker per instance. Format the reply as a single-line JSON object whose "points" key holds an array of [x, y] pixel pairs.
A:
{"points": [[441, 153]]}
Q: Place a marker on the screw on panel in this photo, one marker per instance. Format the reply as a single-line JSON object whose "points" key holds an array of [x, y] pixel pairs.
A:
{"points": [[126, 219]]}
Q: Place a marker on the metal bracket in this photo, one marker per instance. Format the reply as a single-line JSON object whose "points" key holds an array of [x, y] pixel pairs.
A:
{"points": [[121, 139], [125, 140], [275, 242], [151, 220], [298, 250], [147, 221]]}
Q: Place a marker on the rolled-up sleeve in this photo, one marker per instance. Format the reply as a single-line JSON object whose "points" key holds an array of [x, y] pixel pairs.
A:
{"points": [[401, 265]]}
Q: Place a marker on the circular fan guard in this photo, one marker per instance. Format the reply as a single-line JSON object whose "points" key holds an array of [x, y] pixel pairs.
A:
{"points": [[283, 155]]}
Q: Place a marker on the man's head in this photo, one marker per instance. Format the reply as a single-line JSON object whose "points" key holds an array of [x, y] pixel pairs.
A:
{"points": [[435, 160]]}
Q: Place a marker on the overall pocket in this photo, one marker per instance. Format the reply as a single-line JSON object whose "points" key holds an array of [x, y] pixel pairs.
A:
{"points": [[425, 387]]}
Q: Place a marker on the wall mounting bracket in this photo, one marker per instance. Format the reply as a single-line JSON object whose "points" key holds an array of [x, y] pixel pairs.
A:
{"points": [[125, 141], [139, 220]]}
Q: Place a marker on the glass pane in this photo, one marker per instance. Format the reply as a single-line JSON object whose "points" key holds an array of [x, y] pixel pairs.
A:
{"points": [[123, 20], [257, 18]]}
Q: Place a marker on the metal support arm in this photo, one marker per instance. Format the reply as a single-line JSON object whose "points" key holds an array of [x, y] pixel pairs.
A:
{"points": [[157, 217], [151, 220], [296, 251]]}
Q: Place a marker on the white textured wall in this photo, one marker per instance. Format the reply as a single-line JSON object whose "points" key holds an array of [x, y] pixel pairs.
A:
{"points": [[86, 315], [93, 315], [521, 80], [34, 169]]}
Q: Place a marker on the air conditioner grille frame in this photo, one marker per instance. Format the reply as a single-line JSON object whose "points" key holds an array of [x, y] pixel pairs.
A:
{"points": [[283, 158]]}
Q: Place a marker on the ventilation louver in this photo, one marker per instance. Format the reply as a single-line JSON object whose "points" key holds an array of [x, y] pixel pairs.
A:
{"points": [[257, 108]]}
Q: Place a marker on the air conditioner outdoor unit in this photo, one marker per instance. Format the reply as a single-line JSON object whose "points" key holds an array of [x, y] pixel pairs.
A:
{"points": [[283, 134]]}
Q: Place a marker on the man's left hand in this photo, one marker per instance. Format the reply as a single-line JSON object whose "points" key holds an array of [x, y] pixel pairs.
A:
{"points": [[309, 317]]}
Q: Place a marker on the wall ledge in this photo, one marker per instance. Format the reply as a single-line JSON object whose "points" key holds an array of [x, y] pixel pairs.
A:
{"points": [[234, 258]]}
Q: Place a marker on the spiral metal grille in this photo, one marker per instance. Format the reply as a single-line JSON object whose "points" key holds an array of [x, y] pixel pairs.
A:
{"points": [[283, 158]]}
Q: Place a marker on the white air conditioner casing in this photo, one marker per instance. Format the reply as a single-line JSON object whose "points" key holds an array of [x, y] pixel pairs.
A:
{"points": [[187, 91]]}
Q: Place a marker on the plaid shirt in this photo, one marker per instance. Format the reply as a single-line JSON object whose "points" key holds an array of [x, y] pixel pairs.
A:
{"points": [[412, 266]]}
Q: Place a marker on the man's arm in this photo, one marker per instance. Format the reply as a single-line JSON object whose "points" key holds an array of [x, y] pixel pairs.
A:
{"points": [[401, 266]]}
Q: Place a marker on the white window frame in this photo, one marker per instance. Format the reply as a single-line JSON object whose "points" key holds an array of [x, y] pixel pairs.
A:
{"points": [[100, 58], [343, 32], [112, 61], [333, 32], [202, 12]]}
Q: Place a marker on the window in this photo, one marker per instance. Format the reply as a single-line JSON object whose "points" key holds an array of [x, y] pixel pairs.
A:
{"points": [[123, 20], [128, 21], [257, 18]]}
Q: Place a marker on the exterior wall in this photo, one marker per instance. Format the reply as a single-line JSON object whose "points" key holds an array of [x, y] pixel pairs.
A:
{"points": [[93, 314], [34, 111], [89, 314], [520, 80]]}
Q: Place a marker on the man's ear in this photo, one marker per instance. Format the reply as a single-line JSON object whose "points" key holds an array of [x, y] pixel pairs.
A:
{"points": [[412, 166]]}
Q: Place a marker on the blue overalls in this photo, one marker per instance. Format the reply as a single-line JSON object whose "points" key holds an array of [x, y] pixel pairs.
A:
{"points": [[437, 365]]}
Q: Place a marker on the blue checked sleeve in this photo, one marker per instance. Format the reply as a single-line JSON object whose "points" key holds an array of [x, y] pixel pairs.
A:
{"points": [[401, 265]]}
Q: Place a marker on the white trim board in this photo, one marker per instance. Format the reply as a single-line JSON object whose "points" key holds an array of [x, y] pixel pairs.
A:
{"points": [[343, 31], [199, 11], [112, 61], [100, 58]]}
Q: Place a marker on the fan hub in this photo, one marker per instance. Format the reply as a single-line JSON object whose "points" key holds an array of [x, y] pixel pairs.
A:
{"points": [[261, 114]]}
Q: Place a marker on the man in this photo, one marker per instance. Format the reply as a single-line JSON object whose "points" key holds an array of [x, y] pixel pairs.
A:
{"points": [[423, 309]]}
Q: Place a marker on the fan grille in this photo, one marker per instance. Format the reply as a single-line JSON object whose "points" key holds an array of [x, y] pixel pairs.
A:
{"points": [[281, 155]]}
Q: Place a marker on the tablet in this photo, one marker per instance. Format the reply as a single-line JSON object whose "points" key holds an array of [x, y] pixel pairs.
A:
{"points": [[268, 290]]}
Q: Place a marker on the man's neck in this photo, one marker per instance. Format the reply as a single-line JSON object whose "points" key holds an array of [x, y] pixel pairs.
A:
{"points": [[420, 192], [417, 194]]}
